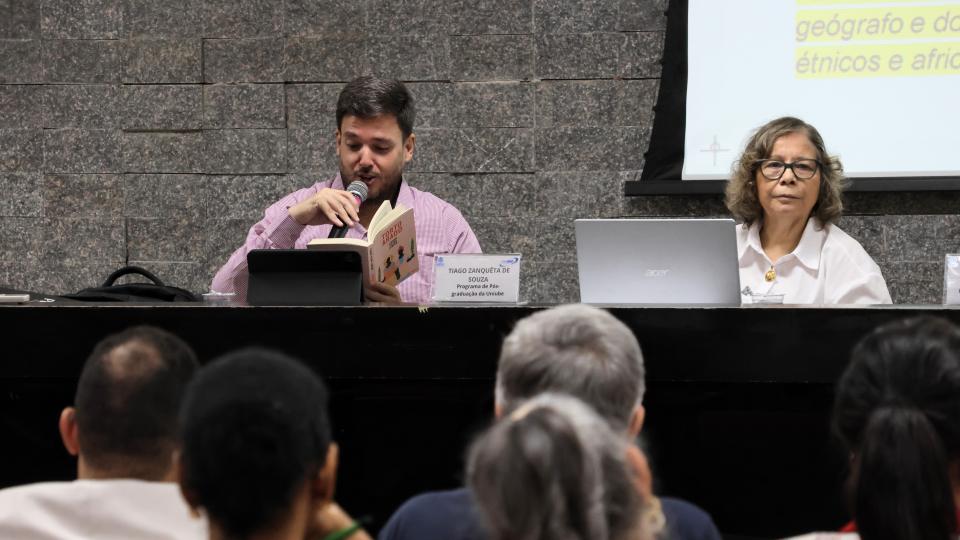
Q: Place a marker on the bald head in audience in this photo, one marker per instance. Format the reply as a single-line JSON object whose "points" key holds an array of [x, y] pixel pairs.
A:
{"points": [[124, 420]]}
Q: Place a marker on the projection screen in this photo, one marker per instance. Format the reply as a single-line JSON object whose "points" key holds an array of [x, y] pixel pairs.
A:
{"points": [[879, 79]]}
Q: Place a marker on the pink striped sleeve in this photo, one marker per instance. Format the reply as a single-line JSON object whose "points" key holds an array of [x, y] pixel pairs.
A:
{"points": [[277, 230]]}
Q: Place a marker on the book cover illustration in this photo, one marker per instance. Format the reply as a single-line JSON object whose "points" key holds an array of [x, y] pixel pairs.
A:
{"points": [[389, 254], [393, 249]]}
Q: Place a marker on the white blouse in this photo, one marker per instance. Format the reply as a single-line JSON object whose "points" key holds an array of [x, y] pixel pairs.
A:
{"points": [[827, 267]]}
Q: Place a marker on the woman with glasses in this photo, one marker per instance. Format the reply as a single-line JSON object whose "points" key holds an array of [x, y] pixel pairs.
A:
{"points": [[786, 191]]}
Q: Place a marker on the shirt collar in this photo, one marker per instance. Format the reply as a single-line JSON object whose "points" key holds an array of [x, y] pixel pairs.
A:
{"points": [[405, 197], [807, 251], [337, 183], [753, 240], [811, 245]]}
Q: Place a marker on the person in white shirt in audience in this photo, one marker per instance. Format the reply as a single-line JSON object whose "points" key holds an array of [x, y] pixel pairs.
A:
{"points": [[552, 469], [123, 430], [787, 192], [897, 412], [258, 457]]}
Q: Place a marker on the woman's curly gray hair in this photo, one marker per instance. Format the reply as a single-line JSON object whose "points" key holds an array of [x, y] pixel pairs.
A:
{"points": [[741, 191]]}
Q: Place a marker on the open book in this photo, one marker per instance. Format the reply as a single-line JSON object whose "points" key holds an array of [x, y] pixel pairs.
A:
{"points": [[389, 255]]}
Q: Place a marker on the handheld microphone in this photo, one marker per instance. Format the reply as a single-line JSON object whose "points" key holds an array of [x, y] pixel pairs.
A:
{"points": [[359, 191]]}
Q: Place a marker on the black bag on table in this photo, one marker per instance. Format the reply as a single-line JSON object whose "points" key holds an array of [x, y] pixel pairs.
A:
{"points": [[134, 292]]}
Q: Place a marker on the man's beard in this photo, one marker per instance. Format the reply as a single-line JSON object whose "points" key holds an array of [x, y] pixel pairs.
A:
{"points": [[386, 194]]}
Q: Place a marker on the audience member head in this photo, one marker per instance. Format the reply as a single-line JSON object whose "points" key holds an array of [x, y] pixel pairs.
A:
{"points": [[551, 469], [578, 350], [897, 409], [256, 454], [124, 420], [367, 97], [743, 191]]}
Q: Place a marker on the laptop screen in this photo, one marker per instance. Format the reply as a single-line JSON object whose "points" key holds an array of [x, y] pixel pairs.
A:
{"points": [[658, 261], [304, 277]]}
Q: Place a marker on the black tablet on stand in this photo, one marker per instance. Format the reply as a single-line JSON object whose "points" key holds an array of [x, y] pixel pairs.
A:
{"points": [[302, 277]]}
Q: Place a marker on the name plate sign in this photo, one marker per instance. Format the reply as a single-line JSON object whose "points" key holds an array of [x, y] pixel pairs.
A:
{"points": [[477, 278], [951, 279]]}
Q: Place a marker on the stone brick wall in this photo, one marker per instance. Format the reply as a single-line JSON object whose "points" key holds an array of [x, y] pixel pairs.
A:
{"points": [[154, 132]]}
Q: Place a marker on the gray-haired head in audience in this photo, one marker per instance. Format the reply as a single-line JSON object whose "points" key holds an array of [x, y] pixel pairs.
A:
{"points": [[551, 469], [578, 350]]}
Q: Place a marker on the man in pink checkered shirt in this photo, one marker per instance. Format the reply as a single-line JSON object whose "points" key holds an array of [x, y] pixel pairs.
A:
{"points": [[374, 140]]}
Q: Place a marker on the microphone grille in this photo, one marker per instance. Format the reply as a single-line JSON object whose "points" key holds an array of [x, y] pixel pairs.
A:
{"points": [[359, 188]]}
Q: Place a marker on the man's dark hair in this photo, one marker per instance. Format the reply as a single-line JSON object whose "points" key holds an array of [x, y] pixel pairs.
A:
{"points": [[127, 402], [254, 427], [898, 411], [368, 96]]}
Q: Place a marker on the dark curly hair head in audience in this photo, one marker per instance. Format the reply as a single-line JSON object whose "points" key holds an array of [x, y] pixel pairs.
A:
{"points": [[255, 431], [897, 409]]}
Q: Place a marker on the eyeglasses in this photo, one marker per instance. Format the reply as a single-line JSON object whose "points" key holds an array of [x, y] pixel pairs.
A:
{"points": [[803, 169]]}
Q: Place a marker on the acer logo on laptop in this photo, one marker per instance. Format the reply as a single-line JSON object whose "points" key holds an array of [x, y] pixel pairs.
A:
{"points": [[656, 272]]}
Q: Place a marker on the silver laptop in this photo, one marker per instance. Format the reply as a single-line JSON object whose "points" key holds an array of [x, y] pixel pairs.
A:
{"points": [[658, 261]]}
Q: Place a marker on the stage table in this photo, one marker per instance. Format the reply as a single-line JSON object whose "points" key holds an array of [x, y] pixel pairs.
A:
{"points": [[737, 399]]}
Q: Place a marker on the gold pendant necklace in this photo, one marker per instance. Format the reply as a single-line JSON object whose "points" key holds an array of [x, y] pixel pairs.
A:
{"points": [[770, 275]]}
